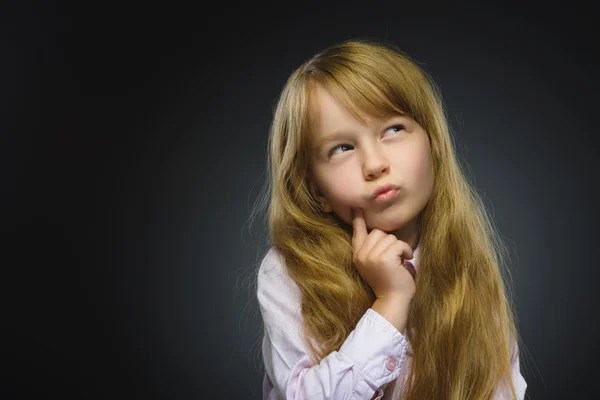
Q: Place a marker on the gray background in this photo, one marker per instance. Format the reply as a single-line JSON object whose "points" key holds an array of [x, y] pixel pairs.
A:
{"points": [[134, 140]]}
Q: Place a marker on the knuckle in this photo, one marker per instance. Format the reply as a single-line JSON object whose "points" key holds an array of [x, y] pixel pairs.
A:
{"points": [[372, 259], [360, 261]]}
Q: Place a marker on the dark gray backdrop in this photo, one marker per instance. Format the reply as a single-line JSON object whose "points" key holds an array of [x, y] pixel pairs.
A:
{"points": [[133, 140]]}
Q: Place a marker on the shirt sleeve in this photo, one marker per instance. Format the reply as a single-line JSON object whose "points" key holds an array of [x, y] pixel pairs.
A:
{"points": [[517, 379], [370, 358]]}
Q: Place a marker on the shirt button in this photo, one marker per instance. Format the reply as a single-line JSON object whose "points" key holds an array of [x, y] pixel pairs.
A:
{"points": [[391, 363]]}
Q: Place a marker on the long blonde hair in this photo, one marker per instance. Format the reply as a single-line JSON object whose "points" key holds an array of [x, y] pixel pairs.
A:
{"points": [[461, 326]]}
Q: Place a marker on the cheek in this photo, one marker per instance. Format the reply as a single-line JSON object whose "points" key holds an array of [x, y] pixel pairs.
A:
{"points": [[337, 183], [417, 169], [424, 175], [423, 169], [341, 191], [427, 167]]}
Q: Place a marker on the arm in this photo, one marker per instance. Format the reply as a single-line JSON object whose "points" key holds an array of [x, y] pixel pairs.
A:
{"points": [[371, 356]]}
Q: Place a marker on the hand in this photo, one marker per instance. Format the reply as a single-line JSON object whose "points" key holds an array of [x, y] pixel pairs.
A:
{"points": [[379, 258]]}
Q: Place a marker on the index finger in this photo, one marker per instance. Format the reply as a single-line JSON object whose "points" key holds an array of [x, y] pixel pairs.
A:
{"points": [[359, 228]]}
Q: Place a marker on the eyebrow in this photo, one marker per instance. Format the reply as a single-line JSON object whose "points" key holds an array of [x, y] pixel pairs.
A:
{"points": [[330, 138], [341, 133]]}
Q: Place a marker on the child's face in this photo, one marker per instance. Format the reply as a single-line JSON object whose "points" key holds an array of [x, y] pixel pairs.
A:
{"points": [[348, 169]]}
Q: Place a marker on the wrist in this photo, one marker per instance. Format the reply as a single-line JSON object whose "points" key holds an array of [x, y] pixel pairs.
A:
{"points": [[395, 309], [395, 297]]}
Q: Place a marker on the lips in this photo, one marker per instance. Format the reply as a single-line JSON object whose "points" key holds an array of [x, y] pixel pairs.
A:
{"points": [[382, 189]]}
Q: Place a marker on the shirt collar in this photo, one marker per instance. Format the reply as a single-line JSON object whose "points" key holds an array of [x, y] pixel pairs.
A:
{"points": [[415, 260]]}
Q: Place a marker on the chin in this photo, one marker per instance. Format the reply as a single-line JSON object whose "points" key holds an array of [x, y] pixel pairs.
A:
{"points": [[385, 224], [388, 228]]}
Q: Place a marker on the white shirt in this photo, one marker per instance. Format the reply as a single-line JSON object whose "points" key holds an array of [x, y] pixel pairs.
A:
{"points": [[370, 360]]}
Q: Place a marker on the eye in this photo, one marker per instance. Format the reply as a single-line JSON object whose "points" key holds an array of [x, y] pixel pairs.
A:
{"points": [[341, 146], [395, 127]]}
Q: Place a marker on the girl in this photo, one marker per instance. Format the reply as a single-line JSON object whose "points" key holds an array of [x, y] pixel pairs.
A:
{"points": [[363, 178]]}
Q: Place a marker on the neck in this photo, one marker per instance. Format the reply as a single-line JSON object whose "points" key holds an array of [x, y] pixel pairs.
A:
{"points": [[409, 233]]}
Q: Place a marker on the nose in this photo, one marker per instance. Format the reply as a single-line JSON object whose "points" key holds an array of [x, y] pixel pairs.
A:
{"points": [[375, 164]]}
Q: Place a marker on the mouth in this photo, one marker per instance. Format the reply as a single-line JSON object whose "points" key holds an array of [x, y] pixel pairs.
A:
{"points": [[386, 196], [383, 190]]}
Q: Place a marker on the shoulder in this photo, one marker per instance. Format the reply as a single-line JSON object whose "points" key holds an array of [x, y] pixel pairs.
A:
{"points": [[279, 297], [273, 275], [272, 262]]}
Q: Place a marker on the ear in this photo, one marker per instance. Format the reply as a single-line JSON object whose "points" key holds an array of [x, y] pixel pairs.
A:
{"points": [[317, 194], [325, 204]]}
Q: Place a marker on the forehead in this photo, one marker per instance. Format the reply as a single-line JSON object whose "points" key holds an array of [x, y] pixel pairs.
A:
{"points": [[328, 114]]}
